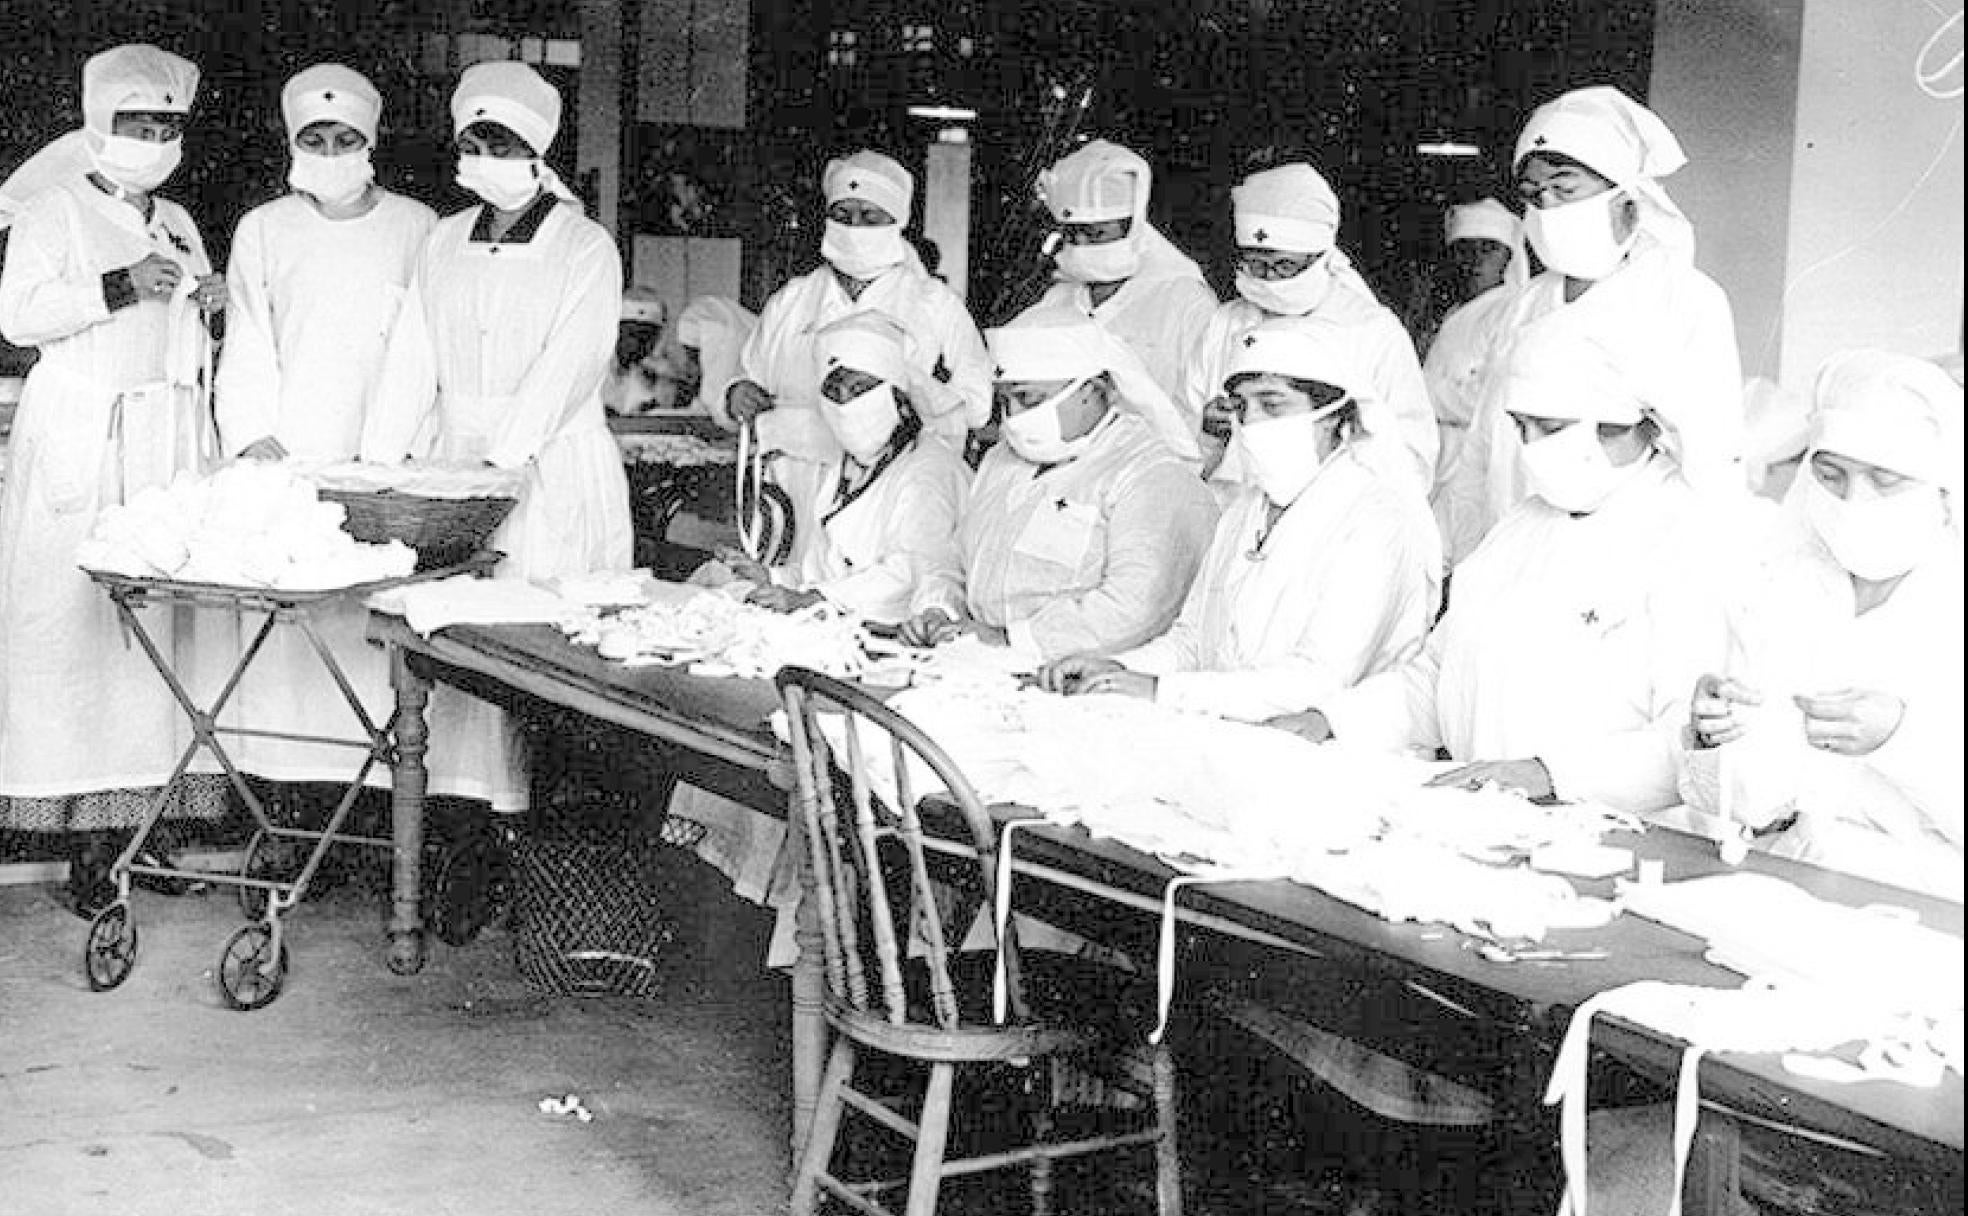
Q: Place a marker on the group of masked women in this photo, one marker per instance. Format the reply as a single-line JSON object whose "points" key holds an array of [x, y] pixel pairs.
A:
{"points": [[355, 324], [1536, 557]]}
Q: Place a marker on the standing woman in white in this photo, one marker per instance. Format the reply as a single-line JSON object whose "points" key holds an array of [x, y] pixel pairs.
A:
{"points": [[111, 284], [317, 277], [499, 355]]}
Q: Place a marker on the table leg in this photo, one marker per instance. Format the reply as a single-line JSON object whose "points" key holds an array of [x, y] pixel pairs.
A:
{"points": [[1714, 1186], [409, 782], [809, 995]]}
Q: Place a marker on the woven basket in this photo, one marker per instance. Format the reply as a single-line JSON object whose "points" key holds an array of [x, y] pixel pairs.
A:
{"points": [[443, 531], [587, 914]]}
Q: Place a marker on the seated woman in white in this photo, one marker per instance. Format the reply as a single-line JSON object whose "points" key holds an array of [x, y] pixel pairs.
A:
{"points": [[1574, 632], [870, 526], [1322, 571], [1083, 530], [1834, 728]]}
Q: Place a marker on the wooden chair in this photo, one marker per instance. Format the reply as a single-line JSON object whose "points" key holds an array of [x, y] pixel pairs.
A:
{"points": [[896, 987]]}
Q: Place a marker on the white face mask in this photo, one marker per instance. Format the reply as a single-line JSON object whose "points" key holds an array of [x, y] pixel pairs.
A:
{"points": [[1284, 455], [863, 252], [1038, 434], [138, 165], [864, 424], [1113, 262], [1576, 239], [334, 181], [506, 184], [1303, 293], [1570, 469], [1877, 537]]}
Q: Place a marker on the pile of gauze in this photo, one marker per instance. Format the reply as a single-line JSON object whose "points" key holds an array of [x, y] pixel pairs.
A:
{"points": [[250, 524]]}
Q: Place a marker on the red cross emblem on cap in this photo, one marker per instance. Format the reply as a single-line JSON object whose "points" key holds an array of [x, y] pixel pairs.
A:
{"points": [[328, 96], [854, 185], [1261, 236], [1250, 340], [997, 373], [1067, 214], [167, 100], [1539, 142]]}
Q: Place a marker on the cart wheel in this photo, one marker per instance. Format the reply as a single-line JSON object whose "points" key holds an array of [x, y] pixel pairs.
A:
{"points": [[112, 948], [249, 975], [468, 889], [264, 857]]}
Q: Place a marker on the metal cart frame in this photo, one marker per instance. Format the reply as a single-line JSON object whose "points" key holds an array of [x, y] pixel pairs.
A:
{"points": [[253, 966]]}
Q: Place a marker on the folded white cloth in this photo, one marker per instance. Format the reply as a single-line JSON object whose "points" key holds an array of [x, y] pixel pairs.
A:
{"points": [[465, 600]]}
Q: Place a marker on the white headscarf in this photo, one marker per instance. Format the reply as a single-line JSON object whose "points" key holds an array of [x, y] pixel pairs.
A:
{"points": [[1623, 142], [1102, 181], [1052, 343], [135, 78], [329, 92], [872, 343], [1295, 205], [1489, 220], [1895, 411], [518, 99], [870, 177]]}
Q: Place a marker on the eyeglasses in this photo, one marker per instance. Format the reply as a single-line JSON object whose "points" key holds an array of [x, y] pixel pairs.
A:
{"points": [[1101, 233], [1272, 267]]}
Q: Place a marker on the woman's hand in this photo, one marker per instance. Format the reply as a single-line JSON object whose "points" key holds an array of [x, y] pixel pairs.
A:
{"points": [[1851, 721], [744, 566], [783, 599], [212, 295], [1711, 713], [156, 277], [268, 448], [1527, 777], [1119, 683], [932, 627], [745, 401], [1311, 725], [1069, 676]]}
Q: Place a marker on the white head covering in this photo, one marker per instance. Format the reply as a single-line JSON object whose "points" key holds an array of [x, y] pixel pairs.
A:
{"points": [[1561, 370], [871, 343], [123, 79], [1290, 209], [870, 177], [1776, 424], [1489, 220], [512, 95], [329, 92], [1623, 142], [1895, 411], [644, 305], [1096, 183], [1302, 348], [1059, 342]]}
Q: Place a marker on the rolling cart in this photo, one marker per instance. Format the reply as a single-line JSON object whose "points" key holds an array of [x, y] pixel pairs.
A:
{"points": [[253, 966]]}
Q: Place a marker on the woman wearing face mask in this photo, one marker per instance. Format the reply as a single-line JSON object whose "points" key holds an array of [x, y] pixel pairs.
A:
{"points": [[1324, 569], [1836, 722], [1114, 266], [870, 267], [1082, 531], [1618, 258], [1562, 666], [1483, 244], [1289, 266], [870, 527], [497, 356], [111, 284], [316, 278]]}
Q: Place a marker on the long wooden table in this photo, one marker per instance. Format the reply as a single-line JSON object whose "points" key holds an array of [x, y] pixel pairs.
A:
{"points": [[718, 732]]}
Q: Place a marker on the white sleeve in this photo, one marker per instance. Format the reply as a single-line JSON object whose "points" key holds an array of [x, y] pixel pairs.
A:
{"points": [[573, 359], [1376, 587], [1200, 370], [44, 296], [1398, 375], [1393, 710], [248, 394], [1157, 535], [966, 358], [919, 539]]}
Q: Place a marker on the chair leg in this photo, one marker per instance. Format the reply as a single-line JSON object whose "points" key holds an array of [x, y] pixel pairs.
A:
{"points": [[820, 1137], [926, 1177], [1045, 1075], [1168, 1158]]}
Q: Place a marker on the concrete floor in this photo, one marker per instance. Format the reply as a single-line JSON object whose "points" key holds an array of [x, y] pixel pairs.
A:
{"points": [[359, 1093]]}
